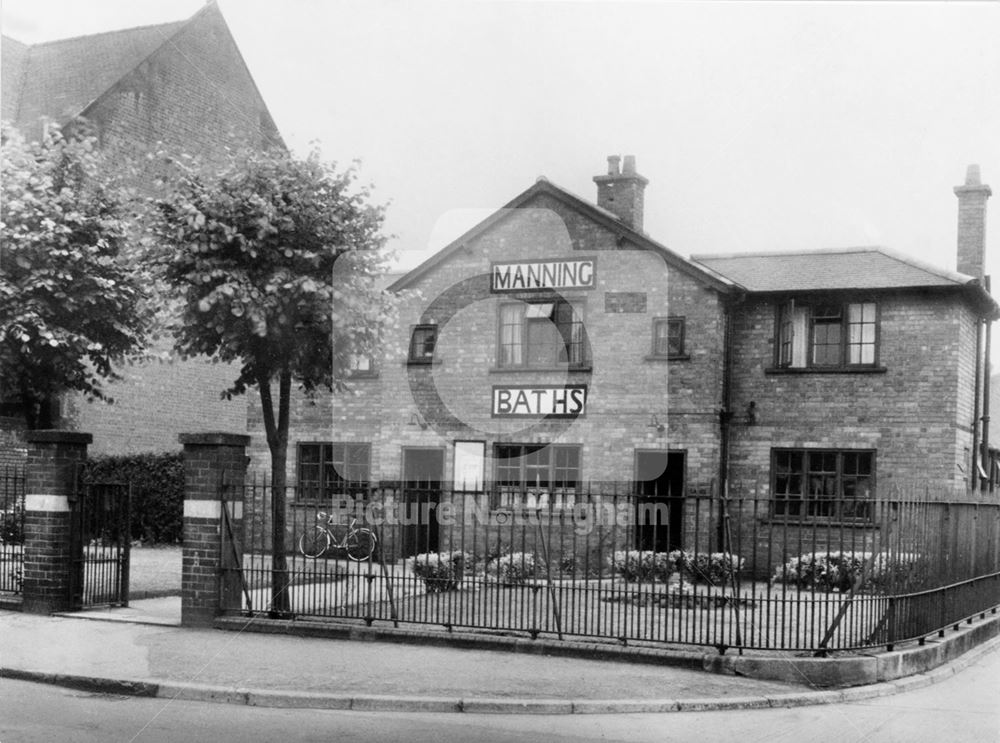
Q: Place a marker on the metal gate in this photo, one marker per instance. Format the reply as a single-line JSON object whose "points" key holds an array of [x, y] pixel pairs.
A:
{"points": [[11, 530], [100, 539]]}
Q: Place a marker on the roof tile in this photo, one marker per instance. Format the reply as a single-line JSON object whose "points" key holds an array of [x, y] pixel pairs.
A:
{"points": [[851, 268], [61, 78]]}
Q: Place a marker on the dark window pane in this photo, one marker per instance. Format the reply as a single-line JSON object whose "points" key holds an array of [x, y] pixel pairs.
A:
{"points": [[422, 342]]}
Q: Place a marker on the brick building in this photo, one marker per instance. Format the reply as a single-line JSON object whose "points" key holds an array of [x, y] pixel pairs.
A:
{"points": [[185, 85], [556, 348]]}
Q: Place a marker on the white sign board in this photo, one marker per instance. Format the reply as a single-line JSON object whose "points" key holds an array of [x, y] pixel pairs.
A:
{"points": [[543, 275], [543, 401]]}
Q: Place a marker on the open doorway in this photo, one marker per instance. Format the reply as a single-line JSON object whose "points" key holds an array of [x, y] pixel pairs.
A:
{"points": [[659, 506], [423, 472]]}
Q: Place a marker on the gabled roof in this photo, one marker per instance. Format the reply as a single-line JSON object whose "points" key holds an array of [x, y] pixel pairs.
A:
{"points": [[64, 79], [602, 216], [59, 79], [866, 268]]}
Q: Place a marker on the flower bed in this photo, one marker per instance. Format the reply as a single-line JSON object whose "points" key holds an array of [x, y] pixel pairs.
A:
{"points": [[643, 566], [840, 571], [440, 571]]}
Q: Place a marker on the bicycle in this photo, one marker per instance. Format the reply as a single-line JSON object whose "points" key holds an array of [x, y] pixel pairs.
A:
{"points": [[358, 542]]}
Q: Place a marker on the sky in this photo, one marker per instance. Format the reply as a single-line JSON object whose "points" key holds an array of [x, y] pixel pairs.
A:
{"points": [[760, 126]]}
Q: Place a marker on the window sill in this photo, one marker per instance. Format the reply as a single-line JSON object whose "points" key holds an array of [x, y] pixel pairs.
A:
{"points": [[826, 370], [655, 357], [422, 362], [524, 369], [366, 375]]}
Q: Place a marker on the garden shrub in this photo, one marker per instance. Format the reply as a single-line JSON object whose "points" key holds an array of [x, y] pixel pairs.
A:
{"points": [[157, 492], [440, 571], [838, 571], [512, 569], [714, 569], [643, 566]]}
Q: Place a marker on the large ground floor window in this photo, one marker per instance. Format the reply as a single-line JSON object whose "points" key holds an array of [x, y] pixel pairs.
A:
{"points": [[536, 475], [836, 484], [326, 470]]}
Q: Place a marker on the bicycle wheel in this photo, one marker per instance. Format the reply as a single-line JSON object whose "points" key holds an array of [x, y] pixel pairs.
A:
{"points": [[314, 543], [360, 544]]}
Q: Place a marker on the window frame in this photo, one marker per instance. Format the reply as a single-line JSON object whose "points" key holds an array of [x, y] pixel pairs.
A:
{"points": [[681, 322], [810, 506], [551, 495], [785, 348], [577, 310], [320, 490], [356, 373], [412, 357]]}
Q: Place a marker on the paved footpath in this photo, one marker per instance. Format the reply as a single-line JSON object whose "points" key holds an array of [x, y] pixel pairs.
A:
{"points": [[151, 656]]}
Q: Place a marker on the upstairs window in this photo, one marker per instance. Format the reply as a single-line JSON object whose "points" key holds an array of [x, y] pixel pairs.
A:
{"points": [[541, 334], [423, 339], [360, 365], [822, 483], [668, 337], [827, 335]]}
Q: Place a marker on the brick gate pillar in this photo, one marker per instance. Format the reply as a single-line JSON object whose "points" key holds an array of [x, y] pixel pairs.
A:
{"points": [[215, 466], [50, 476]]}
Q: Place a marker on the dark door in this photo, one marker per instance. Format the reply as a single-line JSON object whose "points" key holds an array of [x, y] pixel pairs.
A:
{"points": [[423, 472], [659, 487]]}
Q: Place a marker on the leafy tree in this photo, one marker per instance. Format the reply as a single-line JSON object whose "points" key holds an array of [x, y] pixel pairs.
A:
{"points": [[274, 260], [71, 306]]}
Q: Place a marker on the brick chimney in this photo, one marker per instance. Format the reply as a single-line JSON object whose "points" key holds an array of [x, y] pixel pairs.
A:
{"points": [[972, 224], [621, 191]]}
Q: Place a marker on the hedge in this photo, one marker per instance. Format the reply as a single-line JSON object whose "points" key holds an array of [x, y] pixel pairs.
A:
{"points": [[157, 482]]}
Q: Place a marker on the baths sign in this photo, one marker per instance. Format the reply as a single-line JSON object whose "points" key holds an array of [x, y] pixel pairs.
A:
{"points": [[540, 401]]}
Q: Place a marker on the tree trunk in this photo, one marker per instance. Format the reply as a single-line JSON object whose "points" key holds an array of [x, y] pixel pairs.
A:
{"points": [[277, 443]]}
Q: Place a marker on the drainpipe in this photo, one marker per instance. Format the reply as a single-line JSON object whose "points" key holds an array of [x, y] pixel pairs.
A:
{"points": [[725, 414], [987, 461], [974, 473]]}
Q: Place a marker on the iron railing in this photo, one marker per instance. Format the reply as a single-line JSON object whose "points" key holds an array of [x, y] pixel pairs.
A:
{"points": [[11, 529], [699, 569], [100, 544]]}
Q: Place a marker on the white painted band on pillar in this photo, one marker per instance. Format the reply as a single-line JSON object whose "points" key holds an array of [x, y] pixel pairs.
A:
{"points": [[49, 503], [211, 509]]}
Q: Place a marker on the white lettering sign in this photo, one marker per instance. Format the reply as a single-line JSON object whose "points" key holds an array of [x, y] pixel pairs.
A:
{"points": [[569, 401], [540, 275]]}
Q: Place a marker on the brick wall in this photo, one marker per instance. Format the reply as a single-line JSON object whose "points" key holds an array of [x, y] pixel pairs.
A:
{"points": [[910, 413], [154, 402], [625, 387], [194, 95]]}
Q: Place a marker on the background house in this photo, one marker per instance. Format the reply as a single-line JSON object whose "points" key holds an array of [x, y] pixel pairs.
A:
{"points": [[181, 84]]}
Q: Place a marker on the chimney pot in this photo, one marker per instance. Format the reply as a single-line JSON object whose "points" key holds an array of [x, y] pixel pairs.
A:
{"points": [[613, 161], [629, 168], [972, 176]]}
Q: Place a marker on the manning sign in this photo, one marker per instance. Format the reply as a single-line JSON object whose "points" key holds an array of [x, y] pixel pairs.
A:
{"points": [[542, 275]]}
